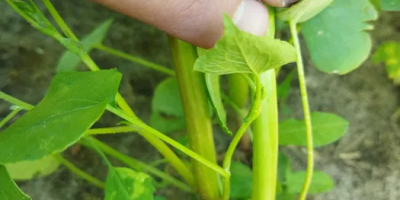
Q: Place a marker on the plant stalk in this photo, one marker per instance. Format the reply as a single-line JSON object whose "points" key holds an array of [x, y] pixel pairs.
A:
{"points": [[306, 110], [265, 134], [198, 120]]}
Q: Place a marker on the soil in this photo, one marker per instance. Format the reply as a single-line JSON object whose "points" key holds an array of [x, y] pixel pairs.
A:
{"points": [[364, 163]]}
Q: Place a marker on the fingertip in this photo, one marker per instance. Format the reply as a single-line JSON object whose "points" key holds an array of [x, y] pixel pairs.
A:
{"points": [[252, 17]]}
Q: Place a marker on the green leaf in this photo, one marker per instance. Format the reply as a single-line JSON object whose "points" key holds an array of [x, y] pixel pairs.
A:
{"points": [[69, 61], [159, 198], [337, 37], [8, 189], [321, 182], [74, 102], [27, 170], [241, 180], [389, 53], [327, 128], [390, 5], [167, 111], [286, 196], [304, 10], [34, 16], [167, 123], [241, 52], [126, 184], [213, 87], [284, 167]]}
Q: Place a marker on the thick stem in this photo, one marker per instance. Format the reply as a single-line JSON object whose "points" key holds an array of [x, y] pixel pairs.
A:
{"points": [[265, 134], [306, 110], [198, 120], [265, 142]]}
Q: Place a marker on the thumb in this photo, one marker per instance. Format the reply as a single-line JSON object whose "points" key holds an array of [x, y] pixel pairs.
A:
{"points": [[198, 22]]}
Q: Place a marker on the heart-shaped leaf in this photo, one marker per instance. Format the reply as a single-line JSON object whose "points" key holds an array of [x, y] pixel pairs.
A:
{"points": [[8, 189], [327, 128], [337, 37], [74, 102], [241, 52]]}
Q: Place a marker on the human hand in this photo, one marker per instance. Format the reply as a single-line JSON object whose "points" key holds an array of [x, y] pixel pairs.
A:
{"points": [[198, 22]]}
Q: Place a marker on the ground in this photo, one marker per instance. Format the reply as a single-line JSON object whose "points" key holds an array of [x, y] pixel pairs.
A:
{"points": [[364, 163]]}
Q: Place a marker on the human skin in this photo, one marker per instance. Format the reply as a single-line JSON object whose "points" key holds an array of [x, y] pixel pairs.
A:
{"points": [[198, 22]]}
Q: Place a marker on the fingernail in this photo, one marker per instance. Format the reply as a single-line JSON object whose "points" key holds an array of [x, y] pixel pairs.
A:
{"points": [[252, 17], [287, 3]]}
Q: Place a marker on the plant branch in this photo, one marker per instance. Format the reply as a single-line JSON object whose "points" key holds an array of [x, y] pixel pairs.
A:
{"points": [[15, 101], [138, 165], [10, 116], [252, 115], [306, 110], [135, 59], [146, 130], [79, 172]]}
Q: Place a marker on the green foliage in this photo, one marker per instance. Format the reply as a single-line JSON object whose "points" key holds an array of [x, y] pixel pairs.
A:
{"points": [[321, 182], [304, 10], [27, 170], [70, 61], [213, 88], [327, 128], [126, 184], [337, 37], [8, 189], [241, 52], [74, 102], [389, 53], [241, 178], [390, 5], [167, 111]]}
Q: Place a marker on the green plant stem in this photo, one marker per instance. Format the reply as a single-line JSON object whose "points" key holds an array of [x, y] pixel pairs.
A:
{"points": [[306, 110], [238, 89], [138, 165], [135, 59], [265, 142], [253, 114], [265, 134], [15, 101], [144, 129], [9, 116], [79, 172], [198, 119], [61, 23], [111, 130]]}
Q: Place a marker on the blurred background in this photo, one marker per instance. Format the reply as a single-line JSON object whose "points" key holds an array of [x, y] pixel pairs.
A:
{"points": [[365, 163]]}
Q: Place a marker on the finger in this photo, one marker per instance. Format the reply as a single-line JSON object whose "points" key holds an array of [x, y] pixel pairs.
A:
{"points": [[196, 21], [281, 3], [252, 17]]}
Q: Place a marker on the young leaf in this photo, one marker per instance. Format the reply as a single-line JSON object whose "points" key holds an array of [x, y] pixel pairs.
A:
{"points": [[241, 52], [304, 10], [27, 170], [124, 183], [241, 180], [167, 111], [34, 16], [327, 128], [337, 37], [214, 90], [69, 60], [390, 5], [389, 53], [74, 102], [8, 188], [321, 182]]}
